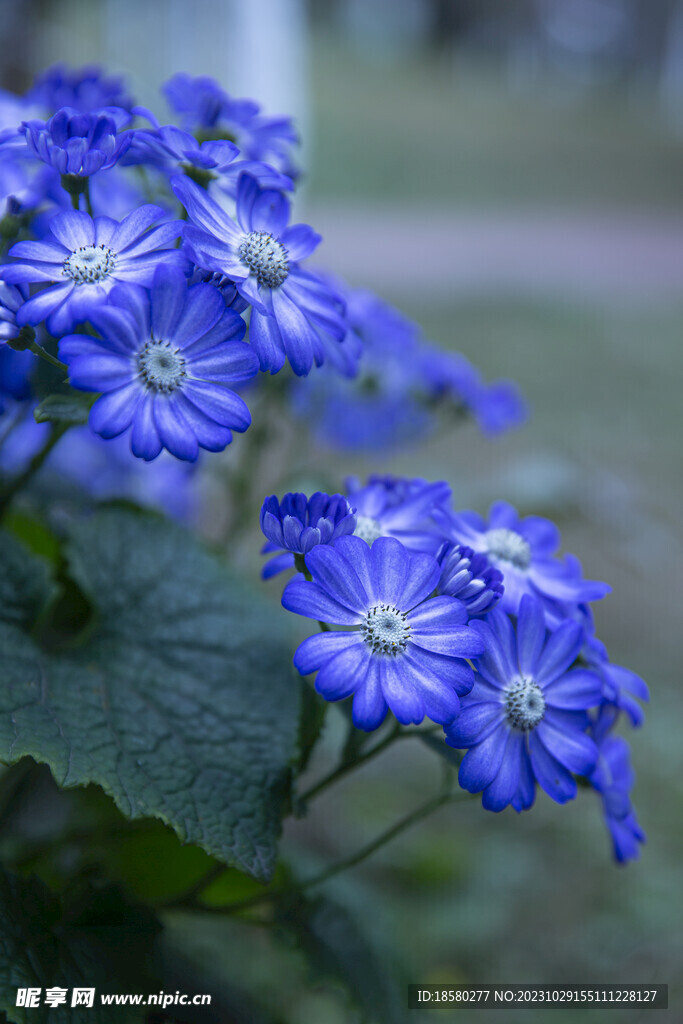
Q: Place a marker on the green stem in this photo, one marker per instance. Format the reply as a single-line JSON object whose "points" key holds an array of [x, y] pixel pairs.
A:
{"points": [[397, 733], [19, 482], [348, 862], [38, 350]]}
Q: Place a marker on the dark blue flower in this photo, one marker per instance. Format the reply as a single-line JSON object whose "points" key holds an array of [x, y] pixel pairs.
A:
{"points": [[295, 314], [11, 300], [173, 150], [207, 108], [85, 89], [613, 778], [379, 407], [470, 578], [163, 363], [75, 143], [401, 650], [524, 550], [297, 523], [85, 258], [400, 508], [496, 407], [621, 688], [525, 719]]}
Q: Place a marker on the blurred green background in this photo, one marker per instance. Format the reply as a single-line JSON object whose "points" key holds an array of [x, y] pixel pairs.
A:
{"points": [[520, 195]]}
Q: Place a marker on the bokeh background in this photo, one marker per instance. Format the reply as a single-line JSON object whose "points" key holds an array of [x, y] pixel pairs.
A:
{"points": [[510, 174]]}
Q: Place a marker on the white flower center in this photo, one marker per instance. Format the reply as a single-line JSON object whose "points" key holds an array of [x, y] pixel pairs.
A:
{"points": [[161, 367], [508, 546], [89, 264], [368, 529], [265, 257], [524, 704], [385, 630]]}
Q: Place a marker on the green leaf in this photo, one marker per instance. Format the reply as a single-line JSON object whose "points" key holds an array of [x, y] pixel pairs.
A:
{"points": [[181, 704], [100, 941], [71, 408], [337, 949]]}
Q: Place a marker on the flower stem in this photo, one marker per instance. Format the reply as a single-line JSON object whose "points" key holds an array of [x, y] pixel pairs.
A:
{"points": [[447, 796], [19, 482], [38, 350]]}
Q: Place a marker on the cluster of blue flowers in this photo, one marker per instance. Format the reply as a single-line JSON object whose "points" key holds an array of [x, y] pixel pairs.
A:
{"points": [[140, 253], [477, 624]]}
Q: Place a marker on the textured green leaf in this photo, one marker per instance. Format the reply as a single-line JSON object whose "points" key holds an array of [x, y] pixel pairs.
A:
{"points": [[99, 943], [181, 704], [71, 408]]}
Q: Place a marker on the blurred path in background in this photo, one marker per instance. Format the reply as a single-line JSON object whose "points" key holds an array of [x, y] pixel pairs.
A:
{"points": [[442, 251]]}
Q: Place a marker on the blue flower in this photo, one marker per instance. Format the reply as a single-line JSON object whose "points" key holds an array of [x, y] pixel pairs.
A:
{"points": [[11, 300], [620, 686], [174, 150], [85, 258], [162, 364], [206, 107], [379, 407], [613, 779], [496, 407], [297, 524], [401, 650], [395, 507], [523, 549], [85, 89], [295, 315], [79, 144], [525, 719], [470, 578]]}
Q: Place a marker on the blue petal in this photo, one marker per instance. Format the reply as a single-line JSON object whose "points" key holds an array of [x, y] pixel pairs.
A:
{"points": [[336, 575], [343, 674], [174, 431], [530, 635], [474, 723], [113, 413], [369, 706], [320, 648], [169, 289], [500, 792], [560, 652], [482, 763], [575, 691], [552, 776], [573, 749], [311, 600], [144, 439]]}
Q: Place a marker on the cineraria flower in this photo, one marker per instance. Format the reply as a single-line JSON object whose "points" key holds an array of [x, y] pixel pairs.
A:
{"points": [[295, 315], [613, 779], [523, 549], [470, 578], [85, 258], [496, 407], [205, 106], [620, 686], [403, 651], [175, 150], [78, 144], [11, 299], [525, 719], [393, 507], [162, 364], [298, 523], [84, 89]]}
